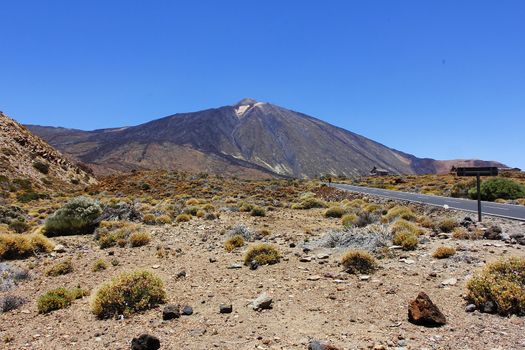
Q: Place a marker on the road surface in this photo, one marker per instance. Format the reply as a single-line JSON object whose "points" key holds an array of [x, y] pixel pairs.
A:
{"points": [[510, 211]]}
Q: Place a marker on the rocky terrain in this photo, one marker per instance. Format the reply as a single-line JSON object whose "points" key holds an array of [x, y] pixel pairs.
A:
{"points": [[25, 156], [215, 299], [250, 139]]}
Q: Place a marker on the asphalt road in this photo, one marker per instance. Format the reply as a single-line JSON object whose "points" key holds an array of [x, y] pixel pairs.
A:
{"points": [[516, 212]]}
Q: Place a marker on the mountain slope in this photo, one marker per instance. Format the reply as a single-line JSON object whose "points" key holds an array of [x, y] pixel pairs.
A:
{"points": [[26, 156], [259, 138]]}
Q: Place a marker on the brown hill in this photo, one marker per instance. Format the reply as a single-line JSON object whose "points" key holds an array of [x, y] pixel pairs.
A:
{"points": [[248, 139], [24, 156]]}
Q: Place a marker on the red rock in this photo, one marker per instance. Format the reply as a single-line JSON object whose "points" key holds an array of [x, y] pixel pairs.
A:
{"points": [[422, 311]]}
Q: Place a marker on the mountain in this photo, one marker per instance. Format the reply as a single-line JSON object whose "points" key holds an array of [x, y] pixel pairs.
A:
{"points": [[247, 139], [24, 156]]}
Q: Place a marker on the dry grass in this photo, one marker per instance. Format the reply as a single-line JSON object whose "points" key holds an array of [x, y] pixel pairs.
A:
{"points": [[19, 246], [262, 254], [444, 252], [233, 242], [358, 261]]}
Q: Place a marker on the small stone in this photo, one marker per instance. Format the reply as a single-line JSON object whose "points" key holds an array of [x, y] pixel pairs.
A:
{"points": [[213, 260], [322, 256], [422, 311], [145, 342], [313, 278], [364, 277], [187, 310], [181, 274], [305, 259], [262, 302], [226, 308], [488, 307], [317, 345], [170, 312], [155, 266], [59, 248], [493, 232], [470, 308], [235, 266], [450, 282]]}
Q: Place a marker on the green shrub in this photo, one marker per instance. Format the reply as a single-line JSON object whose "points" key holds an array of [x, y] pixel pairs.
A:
{"points": [[258, 211], [61, 268], [233, 242], [498, 187], [128, 293], [183, 218], [262, 254], [400, 212], [58, 298], [99, 265], [334, 212], [444, 252], [19, 225], [18, 246], [405, 239], [447, 225], [26, 197], [358, 261], [78, 216], [502, 283]]}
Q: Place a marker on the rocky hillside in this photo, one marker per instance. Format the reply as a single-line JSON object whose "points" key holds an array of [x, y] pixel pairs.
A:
{"points": [[250, 137], [25, 156]]}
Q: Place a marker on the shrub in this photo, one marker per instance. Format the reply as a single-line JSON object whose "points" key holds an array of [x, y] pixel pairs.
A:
{"points": [[41, 167], [149, 219], [58, 298], [498, 187], [334, 212], [19, 225], [163, 219], [17, 246], [60, 268], [462, 233], [29, 196], [262, 254], [138, 239], [310, 203], [501, 283], [350, 220], [403, 225], [210, 216], [78, 216], [241, 230], [405, 239], [191, 211], [114, 233], [426, 222], [233, 242], [99, 265], [192, 201], [258, 211], [444, 252], [208, 207], [359, 261], [11, 302], [447, 225], [372, 208], [200, 213], [182, 218], [245, 207], [399, 212], [128, 293]]}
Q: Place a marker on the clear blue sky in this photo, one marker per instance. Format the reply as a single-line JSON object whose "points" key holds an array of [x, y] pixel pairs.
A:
{"points": [[442, 79]]}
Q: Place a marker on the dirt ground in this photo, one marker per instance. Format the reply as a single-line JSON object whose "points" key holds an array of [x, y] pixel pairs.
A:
{"points": [[311, 300]]}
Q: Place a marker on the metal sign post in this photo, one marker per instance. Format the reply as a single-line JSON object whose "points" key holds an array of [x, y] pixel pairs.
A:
{"points": [[477, 172]]}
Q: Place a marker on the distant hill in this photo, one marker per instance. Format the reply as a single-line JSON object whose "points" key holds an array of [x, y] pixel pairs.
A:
{"points": [[249, 139], [25, 156]]}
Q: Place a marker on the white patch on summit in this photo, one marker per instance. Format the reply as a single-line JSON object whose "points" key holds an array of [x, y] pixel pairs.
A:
{"points": [[240, 110]]}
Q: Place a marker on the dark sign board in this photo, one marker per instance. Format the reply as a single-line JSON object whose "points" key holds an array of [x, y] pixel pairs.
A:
{"points": [[477, 171]]}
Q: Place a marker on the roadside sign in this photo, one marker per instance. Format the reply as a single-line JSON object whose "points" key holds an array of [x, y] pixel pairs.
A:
{"points": [[477, 172]]}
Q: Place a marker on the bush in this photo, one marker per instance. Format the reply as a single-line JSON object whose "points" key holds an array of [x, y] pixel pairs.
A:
{"points": [[444, 252], [18, 246], [127, 294], [233, 242], [41, 167], [462, 233], [182, 218], [192, 201], [60, 268], [359, 261], [405, 239], [501, 283], [200, 213], [310, 203], [498, 187], [245, 207], [29, 196], [241, 230], [111, 233], [334, 212], [78, 216], [149, 219], [19, 225], [403, 225], [138, 239], [258, 211], [59, 298], [163, 220], [426, 222], [350, 220], [261, 254], [447, 225], [399, 212], [99, 265]]}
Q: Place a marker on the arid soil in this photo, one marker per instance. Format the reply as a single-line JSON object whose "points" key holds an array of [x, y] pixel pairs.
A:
{"points": [[311, 299]]}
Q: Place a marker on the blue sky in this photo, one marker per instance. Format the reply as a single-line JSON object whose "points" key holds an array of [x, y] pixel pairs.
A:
{"points": [[441, 79]]}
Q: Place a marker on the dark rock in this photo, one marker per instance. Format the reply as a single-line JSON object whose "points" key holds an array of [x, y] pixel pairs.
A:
{"points": [[422, 311], [225, 309], [213, 260], [11, 302], [292, 245], [181, 274], [145, 342], [317, 345], [170, 312], [187, 310], [488, 307], [493, 232], [253, 265], [467, 221]]}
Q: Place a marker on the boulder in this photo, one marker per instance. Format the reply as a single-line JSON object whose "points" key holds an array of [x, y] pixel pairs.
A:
{"points": [[422, 311], [225, 308], [145, 342], [170, 312], [493, 232], [262, 302]]}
